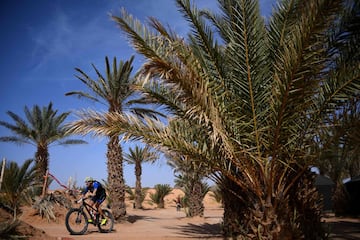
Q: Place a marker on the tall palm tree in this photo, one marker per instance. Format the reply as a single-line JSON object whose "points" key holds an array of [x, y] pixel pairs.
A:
{"points": [[44, 127], [17, 185], [256, 95], [114, 91], [138, 156]]}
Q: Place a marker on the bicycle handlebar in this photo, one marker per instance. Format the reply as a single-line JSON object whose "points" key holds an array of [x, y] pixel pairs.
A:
{"points": [[81, 200]]}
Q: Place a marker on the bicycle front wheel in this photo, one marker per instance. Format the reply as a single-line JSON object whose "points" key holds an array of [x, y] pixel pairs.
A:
{"points": [[106, 222], [76, 221]]}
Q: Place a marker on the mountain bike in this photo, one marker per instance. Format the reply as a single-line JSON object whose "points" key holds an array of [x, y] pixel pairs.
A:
{"points": [[78, 219]]}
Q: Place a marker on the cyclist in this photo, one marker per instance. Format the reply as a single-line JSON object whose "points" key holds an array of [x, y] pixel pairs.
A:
{"points": [[96, 192]]}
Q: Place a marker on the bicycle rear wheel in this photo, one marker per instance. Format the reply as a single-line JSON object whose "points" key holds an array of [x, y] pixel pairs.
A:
{"points": [[106, 223], [76, 221]]}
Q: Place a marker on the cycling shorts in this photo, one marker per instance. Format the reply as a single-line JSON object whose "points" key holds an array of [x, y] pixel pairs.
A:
{"points": [[98, 199]]}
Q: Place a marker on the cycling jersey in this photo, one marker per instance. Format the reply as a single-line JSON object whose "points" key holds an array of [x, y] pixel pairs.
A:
{"points": [[100, 192]]}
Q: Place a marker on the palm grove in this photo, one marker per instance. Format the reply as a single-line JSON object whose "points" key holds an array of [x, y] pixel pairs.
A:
{"points": [[251, 102]]}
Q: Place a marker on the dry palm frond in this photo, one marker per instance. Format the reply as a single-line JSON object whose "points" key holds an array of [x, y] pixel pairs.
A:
{"points": [[8, 230], [45, 208]]}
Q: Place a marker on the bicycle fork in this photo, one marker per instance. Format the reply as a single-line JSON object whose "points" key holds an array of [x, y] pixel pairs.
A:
{"points": [[78, 217]]}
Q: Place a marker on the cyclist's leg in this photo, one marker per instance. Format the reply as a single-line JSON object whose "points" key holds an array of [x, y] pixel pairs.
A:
{"points": [[98, 203], [101, 214], [91, 201]]}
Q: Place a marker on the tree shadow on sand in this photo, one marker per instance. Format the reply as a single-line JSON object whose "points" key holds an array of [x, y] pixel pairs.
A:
{"points": [[198, 231], [345, 230], [135, 218]]}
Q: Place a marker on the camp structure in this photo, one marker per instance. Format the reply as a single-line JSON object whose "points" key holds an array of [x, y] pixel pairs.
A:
{"points": [[325, 187]]}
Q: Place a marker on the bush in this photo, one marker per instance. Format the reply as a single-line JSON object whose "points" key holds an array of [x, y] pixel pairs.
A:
{"points": [[161, 191]]}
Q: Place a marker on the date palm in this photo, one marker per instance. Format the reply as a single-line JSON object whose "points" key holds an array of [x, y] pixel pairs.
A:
{"points": [[190, 175], [17, 184], [161, 191], [137, 156], [42, 128], [195, 190], [255, 93], [114, 91]]}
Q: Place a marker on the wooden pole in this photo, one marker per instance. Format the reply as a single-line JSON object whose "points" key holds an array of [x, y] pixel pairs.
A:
{"points": [[2, 172], [45, 184]]}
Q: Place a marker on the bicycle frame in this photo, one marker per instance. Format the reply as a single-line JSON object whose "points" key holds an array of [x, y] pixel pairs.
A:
{"points": [[88, 208]]}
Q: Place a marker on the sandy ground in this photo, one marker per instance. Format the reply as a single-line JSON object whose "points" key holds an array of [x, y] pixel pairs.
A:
{"points": [[152, 223]]}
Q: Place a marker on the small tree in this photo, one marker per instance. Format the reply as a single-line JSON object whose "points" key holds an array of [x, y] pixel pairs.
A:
{"points": [[132, 195], [162, 190], [43, 128], [17, 185], [195, 190], [190, 177], [137, 156]]}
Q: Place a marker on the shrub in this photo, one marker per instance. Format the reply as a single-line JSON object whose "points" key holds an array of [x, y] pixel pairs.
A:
{"points": [[161, 191]]}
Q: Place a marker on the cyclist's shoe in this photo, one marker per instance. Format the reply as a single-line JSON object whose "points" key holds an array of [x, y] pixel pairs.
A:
{"points": [[90, 221], [103, 222]]}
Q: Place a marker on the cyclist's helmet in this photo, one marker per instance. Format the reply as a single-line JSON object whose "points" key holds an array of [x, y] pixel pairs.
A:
{"points": [[88, 179]]}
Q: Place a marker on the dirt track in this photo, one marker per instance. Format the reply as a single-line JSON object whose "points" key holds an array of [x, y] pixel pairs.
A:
{"points": [[155, 224], [150, 224]]}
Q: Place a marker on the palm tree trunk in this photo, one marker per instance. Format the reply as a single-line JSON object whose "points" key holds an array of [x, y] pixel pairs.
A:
{"points": [[116, 178], [306, 205], [42, 165], [296, 215], [233, 209], [195, 202], [138, 197]]}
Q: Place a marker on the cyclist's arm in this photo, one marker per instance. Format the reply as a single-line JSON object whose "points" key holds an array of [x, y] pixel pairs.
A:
{"points": [[96, 186], [85, 192], [93, 193]]}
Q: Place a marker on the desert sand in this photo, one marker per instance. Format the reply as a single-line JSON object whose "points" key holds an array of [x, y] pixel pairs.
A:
{"points": [[150, 222], [153, 223]]}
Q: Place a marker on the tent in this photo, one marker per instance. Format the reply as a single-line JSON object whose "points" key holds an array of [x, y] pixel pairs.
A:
{"points": [[325, 186]]}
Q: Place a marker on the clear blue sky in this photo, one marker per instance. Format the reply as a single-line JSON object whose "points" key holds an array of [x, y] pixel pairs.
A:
{"points": [[43, 41]]}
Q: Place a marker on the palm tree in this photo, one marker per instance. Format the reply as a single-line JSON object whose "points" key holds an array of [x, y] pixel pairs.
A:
{"points": [[138, 156], [195, 191], [255, 94], [43, 128], [17, 185], [190, 177], [161, 191], [113, 90]]}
